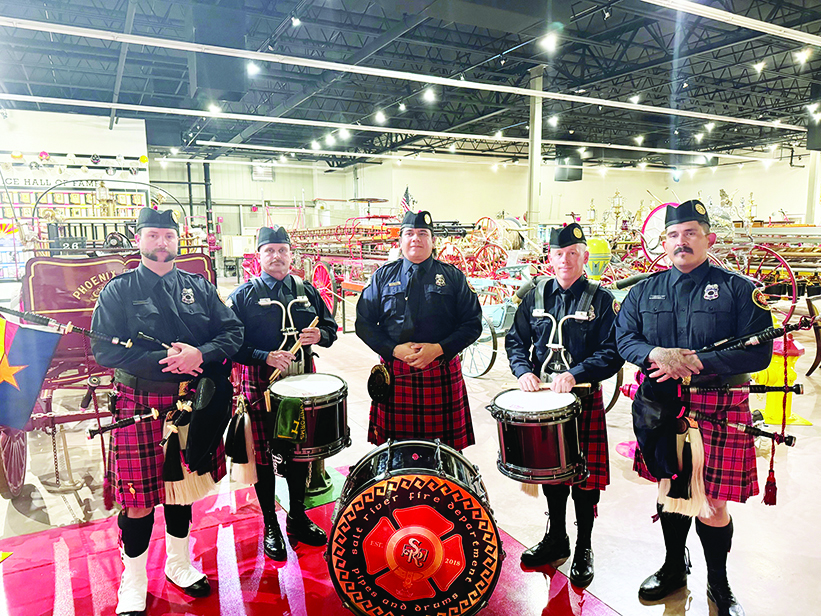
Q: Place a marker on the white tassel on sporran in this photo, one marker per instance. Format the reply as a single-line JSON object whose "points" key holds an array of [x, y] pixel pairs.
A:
{"points": [[246, 473], [697, 504]]}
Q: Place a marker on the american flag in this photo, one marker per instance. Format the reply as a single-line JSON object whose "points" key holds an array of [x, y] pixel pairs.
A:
{"points": [[406, 202]]}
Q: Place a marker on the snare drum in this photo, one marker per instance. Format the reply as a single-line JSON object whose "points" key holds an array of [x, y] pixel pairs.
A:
{"points": [[324, 397], [413, 533], [539, 436]]}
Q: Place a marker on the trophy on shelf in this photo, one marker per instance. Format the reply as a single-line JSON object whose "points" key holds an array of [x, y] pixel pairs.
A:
{"points": [[103, 201]]}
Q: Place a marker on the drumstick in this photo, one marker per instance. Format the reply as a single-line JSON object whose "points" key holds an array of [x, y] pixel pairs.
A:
{"points": [[546, 386], [292, 350]]}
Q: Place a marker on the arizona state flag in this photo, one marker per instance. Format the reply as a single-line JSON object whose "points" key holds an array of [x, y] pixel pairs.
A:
{"points": [[25, 354]]}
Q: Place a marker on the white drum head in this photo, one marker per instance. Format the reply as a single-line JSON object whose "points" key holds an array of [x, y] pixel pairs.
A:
{"points": [[533, 401], [307, 386]]}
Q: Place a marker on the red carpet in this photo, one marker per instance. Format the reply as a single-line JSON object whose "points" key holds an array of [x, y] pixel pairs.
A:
{"points": [[75, 570]]}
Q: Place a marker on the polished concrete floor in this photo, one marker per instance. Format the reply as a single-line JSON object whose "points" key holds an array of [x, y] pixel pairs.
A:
{"points": [[772, 565]]}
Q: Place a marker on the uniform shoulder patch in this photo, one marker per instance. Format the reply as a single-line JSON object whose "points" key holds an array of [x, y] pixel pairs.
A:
{"points": [[616, 305], [760, 299]]}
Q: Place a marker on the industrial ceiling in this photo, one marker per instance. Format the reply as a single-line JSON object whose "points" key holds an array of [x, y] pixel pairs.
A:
{"points": [[718, 87]]}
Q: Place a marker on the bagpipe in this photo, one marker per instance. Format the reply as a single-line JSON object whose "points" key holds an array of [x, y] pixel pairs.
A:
{"points": [[668, 435], [64, 328], [195, 425]]}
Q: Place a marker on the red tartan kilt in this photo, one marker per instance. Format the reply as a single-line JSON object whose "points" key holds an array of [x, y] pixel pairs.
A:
{"points": [[255, 381], [729, 455], [593, 442], [424, 404], [135, 458]]}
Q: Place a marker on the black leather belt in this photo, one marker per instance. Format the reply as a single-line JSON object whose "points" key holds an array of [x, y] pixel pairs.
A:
{"points": [[715, 380], [163, 388]]}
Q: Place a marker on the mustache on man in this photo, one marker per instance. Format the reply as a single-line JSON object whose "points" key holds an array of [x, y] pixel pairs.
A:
{"points": [[682, 249]]}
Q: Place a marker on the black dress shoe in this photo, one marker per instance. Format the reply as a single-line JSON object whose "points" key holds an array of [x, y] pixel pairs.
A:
{"points": [[726, 603], [301, 528], [662, 583], [581, 572], [200, 588], [548, 550], [273, 544]]}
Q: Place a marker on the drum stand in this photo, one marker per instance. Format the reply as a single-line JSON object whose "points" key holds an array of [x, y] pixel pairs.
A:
{"points": [[319, 481]]}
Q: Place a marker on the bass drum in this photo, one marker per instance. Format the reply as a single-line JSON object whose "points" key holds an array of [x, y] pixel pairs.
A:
{"points": [[413, 533]]}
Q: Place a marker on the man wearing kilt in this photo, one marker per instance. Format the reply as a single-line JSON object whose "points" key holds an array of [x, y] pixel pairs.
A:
{"points": [[184, 311], [591, 346], [260, 355], [418, 314], [663, 321]]}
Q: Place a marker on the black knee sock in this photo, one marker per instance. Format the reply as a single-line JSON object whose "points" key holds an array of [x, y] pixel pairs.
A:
{"points": [[265, 488], [177, 520], [556, 508], [675, 528], [135, 533], [716, 541], [584, 502], [297, 477]]}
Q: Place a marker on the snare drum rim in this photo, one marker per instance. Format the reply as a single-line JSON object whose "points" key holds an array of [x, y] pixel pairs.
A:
{"points": [[554, 416], [314, 401], [482, 495]]}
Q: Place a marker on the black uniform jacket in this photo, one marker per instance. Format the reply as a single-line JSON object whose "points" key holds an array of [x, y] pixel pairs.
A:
{"points": [[591, 344], [263, 324], [441, 309], [657, 313], [177, 307]]}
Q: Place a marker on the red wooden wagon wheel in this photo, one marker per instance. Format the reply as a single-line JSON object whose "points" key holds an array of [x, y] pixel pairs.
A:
{"points": [[770, 273], [652, 230], [13, 449], [488, 259], [487, 230], [323, 279], [450, 253]]}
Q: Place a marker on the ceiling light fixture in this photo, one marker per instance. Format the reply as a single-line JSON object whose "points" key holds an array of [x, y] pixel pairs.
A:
{"points": [[214, 108], [498, 134], [380, 117], [802, 56], [639, 139], [403, 107], [186, 46], [812, 107], [429, 95], [759, 67], [295, 21], [699, 137], [314, 145], [174, 151], [635, 99], [549, 42], [330, 139], [710, 126], [553, 121], [253, 69], [452, 147], [344, 134], [685, 85]]}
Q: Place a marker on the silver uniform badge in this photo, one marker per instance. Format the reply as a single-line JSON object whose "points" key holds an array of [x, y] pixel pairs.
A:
{"points": [[440, 280], [711, 292], [187, 296]]}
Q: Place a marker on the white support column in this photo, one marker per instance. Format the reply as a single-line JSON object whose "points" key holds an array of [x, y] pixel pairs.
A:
{"points": [[534, 151], [813, 189]]}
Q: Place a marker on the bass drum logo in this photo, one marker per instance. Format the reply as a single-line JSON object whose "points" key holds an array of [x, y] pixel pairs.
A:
{"points": [[415, 544]]}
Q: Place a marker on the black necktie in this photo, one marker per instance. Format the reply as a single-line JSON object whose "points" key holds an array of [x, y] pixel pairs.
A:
{"points": [[278, 292], [411, 302]]}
